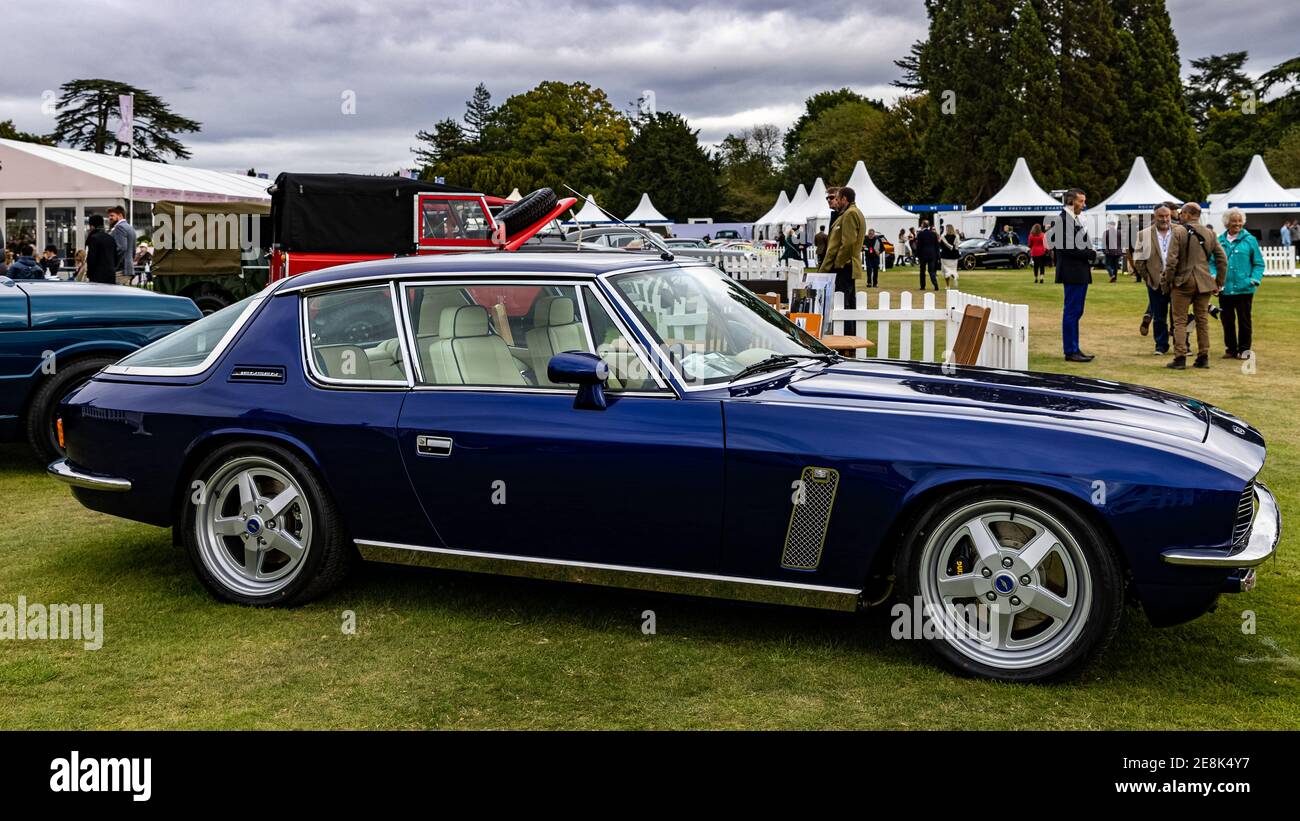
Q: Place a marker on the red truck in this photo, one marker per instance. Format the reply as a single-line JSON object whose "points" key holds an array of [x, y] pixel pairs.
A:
{"points": [[323, 220]]}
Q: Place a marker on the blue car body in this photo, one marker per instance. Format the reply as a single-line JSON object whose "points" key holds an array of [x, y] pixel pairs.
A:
{"points": [[695, 484], [47, 325]]}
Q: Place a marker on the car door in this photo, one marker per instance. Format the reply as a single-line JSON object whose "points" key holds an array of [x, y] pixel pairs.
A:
{"points": [[505, 464]]}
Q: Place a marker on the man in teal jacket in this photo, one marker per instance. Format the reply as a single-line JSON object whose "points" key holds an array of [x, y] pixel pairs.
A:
{"points": [[1245, 273]]}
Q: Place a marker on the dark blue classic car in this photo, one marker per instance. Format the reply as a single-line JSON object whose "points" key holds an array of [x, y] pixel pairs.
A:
{"points": [[646, 422], [56, 335]]}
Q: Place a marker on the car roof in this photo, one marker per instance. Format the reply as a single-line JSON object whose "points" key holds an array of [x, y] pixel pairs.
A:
{"points": [[584, 264]]}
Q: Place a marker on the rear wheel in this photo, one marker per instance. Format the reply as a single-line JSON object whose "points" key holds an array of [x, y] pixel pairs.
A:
{"points": [[968, 262], [43, 411], [1014, 585], [261, 529], [1021, 260]]}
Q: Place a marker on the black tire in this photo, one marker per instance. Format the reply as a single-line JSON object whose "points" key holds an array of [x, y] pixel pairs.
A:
{"points": [[328, 553], [1021, 261], [43, 410], [968, 262], [209, 302], [519, 215], [1083, 635]]}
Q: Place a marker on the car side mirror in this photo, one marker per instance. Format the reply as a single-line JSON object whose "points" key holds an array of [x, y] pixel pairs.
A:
{"points": [[586, 370]]}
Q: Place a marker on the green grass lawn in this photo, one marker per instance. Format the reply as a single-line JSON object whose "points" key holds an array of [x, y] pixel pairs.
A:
{"points": [[435, 649]]}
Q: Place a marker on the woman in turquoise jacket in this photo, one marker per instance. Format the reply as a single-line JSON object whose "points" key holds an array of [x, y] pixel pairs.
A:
{"points": [[1245, 273]]}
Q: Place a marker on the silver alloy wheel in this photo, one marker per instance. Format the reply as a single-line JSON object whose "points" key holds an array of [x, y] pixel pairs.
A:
{"points": [[253, 526], [1005, 583]]}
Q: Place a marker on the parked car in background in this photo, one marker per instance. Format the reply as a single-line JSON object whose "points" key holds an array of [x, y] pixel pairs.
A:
{"points": [[656, 425], [979, 252], [640, 239], [56, 335]]}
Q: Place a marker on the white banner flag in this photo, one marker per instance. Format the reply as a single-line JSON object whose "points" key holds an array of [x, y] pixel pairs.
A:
{"points": [[126, 104]]}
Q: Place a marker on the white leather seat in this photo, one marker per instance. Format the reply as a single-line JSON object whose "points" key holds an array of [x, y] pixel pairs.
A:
{"points": [[556, 330], [343, 362], [468, 353]]}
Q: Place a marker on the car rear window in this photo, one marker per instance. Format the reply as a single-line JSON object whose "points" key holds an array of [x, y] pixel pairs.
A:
{"points": [[192, 348]]}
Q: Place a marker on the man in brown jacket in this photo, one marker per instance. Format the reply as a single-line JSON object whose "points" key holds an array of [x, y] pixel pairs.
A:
{"points": [[1191, 283], [1154, 249], [844, 248]]}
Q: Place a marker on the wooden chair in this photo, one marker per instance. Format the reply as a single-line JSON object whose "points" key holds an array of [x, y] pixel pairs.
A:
{"points": [[812, 323], [771, 299], [970, 335]]}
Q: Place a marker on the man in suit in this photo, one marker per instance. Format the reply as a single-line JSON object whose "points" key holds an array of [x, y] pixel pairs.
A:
{"points": [[844, 248], [124, 237], [1200, 274], [1155, 251], [101, 252], [927, 253], [1068, 239]]}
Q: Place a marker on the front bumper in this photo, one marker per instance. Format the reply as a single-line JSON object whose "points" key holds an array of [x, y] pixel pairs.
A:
{"points": [[1265, 532], [65, 472]]}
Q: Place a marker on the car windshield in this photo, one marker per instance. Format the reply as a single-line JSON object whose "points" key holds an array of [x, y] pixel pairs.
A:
{"points": [[709, 327], [973, 243]]}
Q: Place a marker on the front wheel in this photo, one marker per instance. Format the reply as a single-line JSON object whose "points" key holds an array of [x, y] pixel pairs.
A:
{"points": [[1020, 261], [968, 262], [261, 529], [1013, 584]]}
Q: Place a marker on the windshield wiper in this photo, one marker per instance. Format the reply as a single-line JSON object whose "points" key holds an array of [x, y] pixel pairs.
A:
{"points": [[781, 360]]}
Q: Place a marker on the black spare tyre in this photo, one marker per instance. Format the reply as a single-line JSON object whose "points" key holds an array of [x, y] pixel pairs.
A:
{"points": [[519, 215]]}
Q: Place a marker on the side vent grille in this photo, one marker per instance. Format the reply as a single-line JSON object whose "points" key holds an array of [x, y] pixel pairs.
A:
{"points": [[812, 499]]}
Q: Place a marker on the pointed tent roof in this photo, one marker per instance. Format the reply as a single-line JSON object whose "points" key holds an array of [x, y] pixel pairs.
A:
{"points": [[1258, 191], [591, 214], [796, 205], [1140, 192], [645, 212], [781, 202], [814, 205], [870, 200], [1021, 195], [515, 196]]}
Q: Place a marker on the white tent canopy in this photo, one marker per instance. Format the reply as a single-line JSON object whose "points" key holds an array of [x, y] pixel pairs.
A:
{"points": [[1021, 196], [645, 212], [42, 172], [814, 206], [1258, 192], [515, 196], [1136, 197], [767, 220], [590, 214], [794, 208], [882, 214]]}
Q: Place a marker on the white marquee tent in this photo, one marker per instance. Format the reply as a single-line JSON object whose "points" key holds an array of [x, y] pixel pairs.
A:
{"points": [[645, 213], [793, 209], [881, 213], [764, 227], [1022, 198], [1265, 203], [515, 196], [46, 193], [814, 210], [590, 214], [1137, 197]]}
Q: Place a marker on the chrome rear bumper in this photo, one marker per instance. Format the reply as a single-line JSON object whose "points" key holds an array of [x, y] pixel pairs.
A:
{"points": [[65, 472], [1265, 532]]}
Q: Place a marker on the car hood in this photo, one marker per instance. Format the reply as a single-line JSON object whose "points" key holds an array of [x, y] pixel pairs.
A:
{"points": [[1134, 407], [81, 304]]}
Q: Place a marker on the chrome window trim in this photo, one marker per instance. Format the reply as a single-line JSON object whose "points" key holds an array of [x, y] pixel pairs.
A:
{"points": [[403, 278], [559, 282], [208, 361], [320, 380]]}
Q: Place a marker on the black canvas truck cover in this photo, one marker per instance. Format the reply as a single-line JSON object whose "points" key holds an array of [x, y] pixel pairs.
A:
{"points": [[347, 213]]}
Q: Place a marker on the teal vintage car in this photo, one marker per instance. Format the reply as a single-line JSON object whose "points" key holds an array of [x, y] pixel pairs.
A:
{"points": [[55, 335]]}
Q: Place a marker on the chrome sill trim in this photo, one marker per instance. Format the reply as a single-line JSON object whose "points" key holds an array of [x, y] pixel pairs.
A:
{"points": [[613, 575], [65, 472], [1265, 534]]}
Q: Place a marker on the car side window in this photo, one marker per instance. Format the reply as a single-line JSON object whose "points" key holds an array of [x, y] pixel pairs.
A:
{"points": [[494, 335], [353, 336], [627, 370]]}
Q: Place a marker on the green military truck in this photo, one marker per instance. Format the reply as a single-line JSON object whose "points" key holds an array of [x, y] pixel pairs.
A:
{"points": [[212, 252]]}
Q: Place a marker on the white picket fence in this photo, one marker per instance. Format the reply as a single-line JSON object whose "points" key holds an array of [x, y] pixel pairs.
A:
{"points": [[1006, 338], [1279, 261], [767, 266]]}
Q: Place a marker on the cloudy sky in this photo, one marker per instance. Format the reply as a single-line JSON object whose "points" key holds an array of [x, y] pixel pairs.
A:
{"points": [[268, 80]]}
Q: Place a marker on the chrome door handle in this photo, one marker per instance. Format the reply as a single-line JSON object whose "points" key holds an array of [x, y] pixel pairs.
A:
{"points": [[426, 445]]}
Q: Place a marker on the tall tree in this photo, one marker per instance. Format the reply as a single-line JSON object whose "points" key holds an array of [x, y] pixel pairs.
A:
{"points": [[88, 111], [445, 143], [833, 142], [815, 105], [748, 165], [665, 160], [1156, 124], [478, 113], [1284, 158], [1089, 93], [1218, 82]]}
